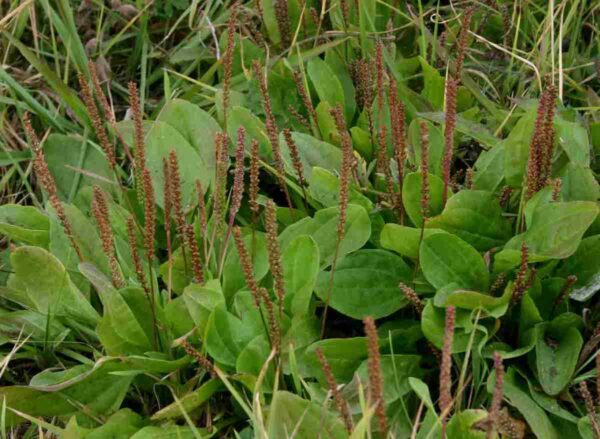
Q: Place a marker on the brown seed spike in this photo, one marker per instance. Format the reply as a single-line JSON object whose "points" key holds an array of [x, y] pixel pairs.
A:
{"points": [[412, 297], [135, 256], [283, 21], [304, 96], [175, 188], [192, 244], [254, 176], [589, 407], [462, 42], [274, 331], [274, 254], [446, 368], [425, 197], [47, 181], [521, 279], [201, 208], [494, 412], [449, 127], [237, 191], [340, 401], [272, 132], [199, 357], [375, 376], [149, 214], [346, 168], [228, 61], [295, 156], [101, 214], [246, 263], [90, 105]]}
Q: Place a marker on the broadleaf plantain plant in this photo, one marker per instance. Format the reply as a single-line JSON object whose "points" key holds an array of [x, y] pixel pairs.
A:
{"points": [[351, 243]]}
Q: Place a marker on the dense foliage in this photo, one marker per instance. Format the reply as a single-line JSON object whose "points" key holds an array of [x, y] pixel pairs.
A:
{"points": [[305, 219]]}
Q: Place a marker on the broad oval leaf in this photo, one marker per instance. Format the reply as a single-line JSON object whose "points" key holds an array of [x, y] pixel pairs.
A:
{"points": [[327, 85], [475, 217], [365, 283], [300, 263], [411, 196], [24, 224], [447, 259], [323, 229], [404, 240]]}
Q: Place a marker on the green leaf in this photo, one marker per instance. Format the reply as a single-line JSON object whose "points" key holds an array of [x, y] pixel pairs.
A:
{"points": [[579, 183], [343, 354], [518, 397], [201, 300], [475, 217], [433, 85], [312, 152], [119, 330], [447, 259], [24, 224], [327, 85], [289, 413], [75, 163], [169, 432], [433, 324], [255, 129], [300, 263], [436, 145], [466, 425], [45, 282], [354, 292], [327, 127], [405, 240], [121, 425], [190, 401], [489, 169], [325, 188], [516, 150], [226, 336], [160, 139], [557, 228], [323, 230], [252, 360], [411, 196], [585, 264], [196, 126], [233, 276], [396, 371], [573, 139], [556, 363]]}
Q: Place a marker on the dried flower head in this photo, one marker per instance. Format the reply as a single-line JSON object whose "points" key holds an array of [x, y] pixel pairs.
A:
{"points": [[254, 176], [135, 256], [149, 214], [283, 21], [497, 395], [295, 156], [412, 297], [228, 61], [246, 263], [274, 253], [589, 407], [521, 279], [340, 402], [192, 244], [199, 357], [47, 181], [446, 368], [201, 208], [375, 376], [101, 214], [304, 95], [237, 191], [96, 119], [462, 42], [272, 132], [346, 169], [566, 289], [449, 127]]}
